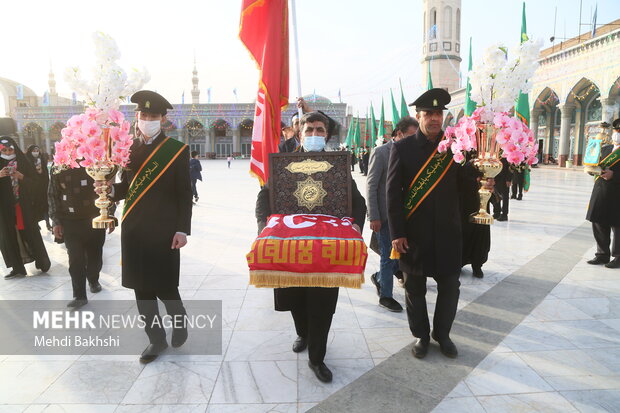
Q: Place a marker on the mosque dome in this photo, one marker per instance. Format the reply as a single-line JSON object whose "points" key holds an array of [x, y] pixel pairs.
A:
{"points": [[314, 98]]}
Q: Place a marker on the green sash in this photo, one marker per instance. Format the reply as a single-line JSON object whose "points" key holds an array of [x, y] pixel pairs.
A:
{"points": [[426, 180], [151, 170], [610, 160]]}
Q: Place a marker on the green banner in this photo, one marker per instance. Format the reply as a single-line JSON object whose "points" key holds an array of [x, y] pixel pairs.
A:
{"points": [[611, 159], [151, 170]]}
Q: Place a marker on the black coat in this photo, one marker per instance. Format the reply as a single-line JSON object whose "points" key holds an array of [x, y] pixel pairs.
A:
{"points": [[43, 180], [34, 248], [476, 237], [434, 230], [604, 205], [194, 169], [314, 300], [288, 145], [146, 237]]}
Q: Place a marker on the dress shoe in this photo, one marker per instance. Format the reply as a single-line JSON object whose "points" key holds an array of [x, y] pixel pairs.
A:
{"points": [[598, 260], [321, 372], [477, 272], [513, 197], [179, 337], [519, 197], [152, 351], [502, 218], [390, 304], [19, 272], [615, 263], [95, 287], [446, 346], [299, 344], [44, 266], [373, 279], [420, 348], [77, 303]]}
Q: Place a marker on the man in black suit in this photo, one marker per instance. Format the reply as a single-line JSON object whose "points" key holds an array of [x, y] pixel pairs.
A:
{"points": [[156, 220], [604, 207], [312, 308], [428, 236]]}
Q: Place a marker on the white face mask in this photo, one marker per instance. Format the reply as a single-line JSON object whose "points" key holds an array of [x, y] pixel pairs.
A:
{"points": [[8, 157], [149, 128], [615, 137], [314, 143], [35, 154]]}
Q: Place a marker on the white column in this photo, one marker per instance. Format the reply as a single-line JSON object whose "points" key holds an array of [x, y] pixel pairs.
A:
{"points": [[236, 140], [567, 114], [609, 110]]}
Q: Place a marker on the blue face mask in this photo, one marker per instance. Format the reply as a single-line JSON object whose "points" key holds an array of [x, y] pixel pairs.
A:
{"points": [[314, 143]]}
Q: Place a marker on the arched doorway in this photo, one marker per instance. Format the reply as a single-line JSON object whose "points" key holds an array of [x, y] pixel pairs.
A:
{"points": [[33, 133], [586, 117], [223, 138], [196, 136], [544, 125], [245, 134]]}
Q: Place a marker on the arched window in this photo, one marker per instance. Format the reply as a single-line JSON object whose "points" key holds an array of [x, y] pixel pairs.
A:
{"points": [[458, 25], [447, 22], [433, 29], [594, 112]]}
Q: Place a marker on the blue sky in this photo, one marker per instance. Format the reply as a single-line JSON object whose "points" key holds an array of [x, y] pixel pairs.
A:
{"points": [[361, 47]]}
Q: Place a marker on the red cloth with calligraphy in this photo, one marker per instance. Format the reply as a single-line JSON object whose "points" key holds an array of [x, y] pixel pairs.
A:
{"points": [[308, 250], [263, 30]]}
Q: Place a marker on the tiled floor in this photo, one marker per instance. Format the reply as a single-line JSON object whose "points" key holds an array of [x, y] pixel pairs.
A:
{"points": [[563, 357]]}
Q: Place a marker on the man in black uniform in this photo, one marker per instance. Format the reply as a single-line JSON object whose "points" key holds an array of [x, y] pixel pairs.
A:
{"points": [[312, 308], [604, 207], [501, 199], [426, 231], [156, 220], [72, 207]]}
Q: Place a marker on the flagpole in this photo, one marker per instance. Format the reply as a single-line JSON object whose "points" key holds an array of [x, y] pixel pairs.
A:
{"points": [[294, 13]]}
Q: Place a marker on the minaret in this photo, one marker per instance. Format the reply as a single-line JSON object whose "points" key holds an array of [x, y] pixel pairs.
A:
{"points": [[441, 44], [195, 90], [51, 82]]}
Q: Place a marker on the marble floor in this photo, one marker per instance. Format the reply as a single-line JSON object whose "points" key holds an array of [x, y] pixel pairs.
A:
{"points": [[563, 357]]}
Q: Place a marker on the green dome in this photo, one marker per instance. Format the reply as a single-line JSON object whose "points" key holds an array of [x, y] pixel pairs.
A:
{"points": [[321, 100]]}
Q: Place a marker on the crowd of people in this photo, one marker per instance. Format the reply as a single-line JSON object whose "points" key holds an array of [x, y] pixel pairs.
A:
{"points": [[422, 228]]}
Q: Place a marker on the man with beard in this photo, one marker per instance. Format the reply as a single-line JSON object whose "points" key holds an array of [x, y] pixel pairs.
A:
{"points": [[20, 239]]}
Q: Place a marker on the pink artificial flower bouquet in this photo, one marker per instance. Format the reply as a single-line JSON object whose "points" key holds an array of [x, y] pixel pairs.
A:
{"points": [[94, 138]]}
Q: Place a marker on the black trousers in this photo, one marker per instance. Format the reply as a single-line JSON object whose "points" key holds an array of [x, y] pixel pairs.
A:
{"points": [[85, 249], [445, 308], [194, 192], [518, 180], [602, 235], [147, 307], [315, 329], [500, 206]]}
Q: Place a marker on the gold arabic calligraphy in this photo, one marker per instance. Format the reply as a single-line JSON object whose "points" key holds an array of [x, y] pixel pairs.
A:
{"points": [[139, 182]]}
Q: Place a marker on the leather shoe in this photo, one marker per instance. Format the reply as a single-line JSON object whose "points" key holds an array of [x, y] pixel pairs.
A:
{"points": [[390, 304], [77, 303], [179, 337], [299, 344], [446, 346], [615, 263], [598, 260], [321, 372], [477, 272], [152, 351], [45, 266], [502, 218], [420, 348], [19, 272], [373, 279], [95, 287]]}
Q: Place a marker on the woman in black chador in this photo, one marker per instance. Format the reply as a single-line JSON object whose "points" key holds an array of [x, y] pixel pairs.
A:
{"points": [[20, 239], [39, 161]]}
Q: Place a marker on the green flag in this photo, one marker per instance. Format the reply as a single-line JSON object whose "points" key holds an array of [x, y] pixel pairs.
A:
{"points": [[395, 115], [522, 108], [373, 127], [367, 137], [429, 79], [381, 131], [350, 133], [404, 110], [470, 105], [357, 134]]}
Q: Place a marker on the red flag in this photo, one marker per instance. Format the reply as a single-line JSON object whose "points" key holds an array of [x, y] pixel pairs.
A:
{"points": [[264, 32]]}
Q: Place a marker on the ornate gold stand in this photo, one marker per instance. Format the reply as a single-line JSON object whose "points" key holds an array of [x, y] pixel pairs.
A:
{"points": [[102, 175], [489, 164]]}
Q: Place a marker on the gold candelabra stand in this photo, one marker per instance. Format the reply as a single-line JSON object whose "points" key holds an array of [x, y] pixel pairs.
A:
{"points": [[487, 161], [102, 174]]}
